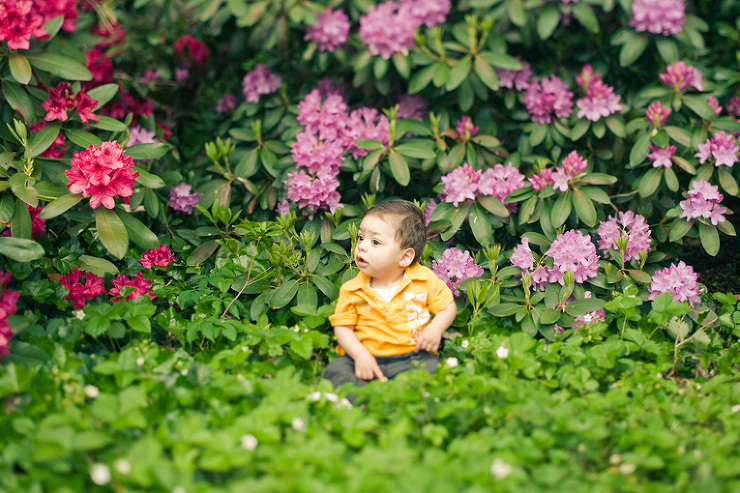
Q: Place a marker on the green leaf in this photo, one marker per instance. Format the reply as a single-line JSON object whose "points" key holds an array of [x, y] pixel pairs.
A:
{"points": [[103, 94], [98, 266], [82, 138], [480, 224], [44, 138], [284, 294], [20, 223], [60, 205], [420, 79], [19, 100], [137, 231], [680, 135], [650, 182], [326, 286], [561, 210], [23, 189], [517, 12], [640, 149], [147, 179], [505, 309], [709, 238], [201, 253], [584, 208], [640, 276], [668, 49], [459, 73], [109, 124], [418, 151], [632, 49], [501, 60], [399, 168], [679, 228], [20, 68], [616, 125], [368, 144], [153, 150], [486, 74], [585, 15], [583, 306], [401, 63], [699, 105], [727, 181], [547, 20], [60, 65], [549, 316], [111, 231], [493, 205], [19, 249]]}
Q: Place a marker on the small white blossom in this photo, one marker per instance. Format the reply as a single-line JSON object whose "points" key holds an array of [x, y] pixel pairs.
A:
{"points": [[184, 372], [615, 459], [502, 352], [451, 362], [331, 397], [296, 329], [298, 424], [626, 468], [465, 344], [140, 361], [249, 442], [92, 391], [314, 396], [735, 409], [500, 469], [345, 403], [122, 466], [100, 474], [178, 489], [79, 314]]}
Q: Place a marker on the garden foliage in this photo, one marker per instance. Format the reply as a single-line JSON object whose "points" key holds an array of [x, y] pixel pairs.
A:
{"points": [[180, 189]]}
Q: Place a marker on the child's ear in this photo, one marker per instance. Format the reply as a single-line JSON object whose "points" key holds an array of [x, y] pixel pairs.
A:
{"points": [[407, 256]]}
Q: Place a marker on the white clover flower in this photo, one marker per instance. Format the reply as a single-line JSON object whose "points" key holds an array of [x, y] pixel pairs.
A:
{"points": [[298, 424], [735, 409], [451, 362], [249, 442], [500, 469], [92, 391], [626, 468], [465, 344], [100, 474], [122, 466], [502, 352]]}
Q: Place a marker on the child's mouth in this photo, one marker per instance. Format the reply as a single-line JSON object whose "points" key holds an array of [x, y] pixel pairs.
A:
{"points": [[361, 262]]}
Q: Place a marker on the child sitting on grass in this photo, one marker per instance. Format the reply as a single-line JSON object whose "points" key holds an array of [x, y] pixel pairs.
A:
{"points": [[382, 321]]}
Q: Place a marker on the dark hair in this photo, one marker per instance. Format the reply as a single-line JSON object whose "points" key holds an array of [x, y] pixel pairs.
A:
{"points": [[412, 230]]}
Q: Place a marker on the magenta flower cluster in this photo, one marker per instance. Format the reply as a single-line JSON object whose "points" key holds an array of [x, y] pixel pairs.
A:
{"points": [[82, 287], [664, 17], [160, 257], [8, 307], [661, 156], [465, 183], [182, 200], [390, 27], [657, 114], [258, 82], [722, 147], [630, 227], [703, 201], [679, 280], [330, 132], [454, 267], [569, 168], [465, 128], [412, 106], [548, 97], [680, 76], [518, 79], [330, 31], [600, 100]]}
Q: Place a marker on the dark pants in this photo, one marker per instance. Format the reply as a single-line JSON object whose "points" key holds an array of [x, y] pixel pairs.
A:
{"points": [[342, 369]]}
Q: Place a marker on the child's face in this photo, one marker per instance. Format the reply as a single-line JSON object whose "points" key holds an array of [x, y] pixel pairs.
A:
{"points": [[378, 254]]}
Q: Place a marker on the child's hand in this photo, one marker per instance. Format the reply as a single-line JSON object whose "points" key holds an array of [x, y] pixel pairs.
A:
{"points": [[366, 368], [428, 341]]}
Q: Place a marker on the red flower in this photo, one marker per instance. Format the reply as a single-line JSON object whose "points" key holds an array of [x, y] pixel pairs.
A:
{"points": [[198, 51], [161, 257], [141, 287], [89, 288], [102, 173], [60, 101]]}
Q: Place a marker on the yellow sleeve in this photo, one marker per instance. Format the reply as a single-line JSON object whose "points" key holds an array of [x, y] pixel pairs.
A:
{"points": [[440, 295], [345, 313]]}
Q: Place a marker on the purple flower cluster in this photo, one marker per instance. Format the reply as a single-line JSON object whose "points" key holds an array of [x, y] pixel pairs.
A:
{"points": [[465, 128], [465, 183], [330, 31], [703, 201], [454, 267], [515, 78], [664, 17], [661, 156], [330, 131], [631, 227], [226, 104], [389, 27], [541, 180], [722, 147], [570, 167], [600, 100], [140, 135], [259, 81], [522, 256], [679, 280], [547, 97], [182, 200], [680, 76], [412, 106], [657, 114]]}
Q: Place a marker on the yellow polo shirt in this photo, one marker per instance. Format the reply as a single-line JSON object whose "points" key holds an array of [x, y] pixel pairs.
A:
{"points": [[387, 329]]}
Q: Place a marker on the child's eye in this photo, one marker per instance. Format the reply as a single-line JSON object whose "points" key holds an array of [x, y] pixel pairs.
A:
{"points": [[376, 242], [359, 238]]}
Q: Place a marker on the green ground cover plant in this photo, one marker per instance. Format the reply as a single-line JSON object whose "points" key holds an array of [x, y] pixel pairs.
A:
{"points": [[181, 184]]}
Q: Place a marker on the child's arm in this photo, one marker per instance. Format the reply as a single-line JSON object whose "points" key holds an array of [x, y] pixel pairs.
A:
{"points": [[431, 336], [366, 366]]}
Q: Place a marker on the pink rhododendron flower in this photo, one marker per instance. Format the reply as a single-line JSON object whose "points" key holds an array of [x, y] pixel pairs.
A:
{"points": [[103, 174], [465, 128], [661, 156], [703, 201], [518, 79], [19, 21], [160, 256], [500, 181], [572, 165], [547, 97], [82, 286], [461, 184], [590, 317], [140, 135], [600, 102], [62, 99], [330, 31], [522, 256], [364, 123], [429, 12], [465, 183], [313, 193], [715, 105], [541, 180], [572, 251], [226, 104], [100, 66], [733, 106], [630, 226], [679, 280], [259, 81], [680, 76], [8, 306], [454, 267], [412, 106], [181, 199], [657, 114], [428, 210], [664, 17], [192, 49], [141, 287], [723, 147]]}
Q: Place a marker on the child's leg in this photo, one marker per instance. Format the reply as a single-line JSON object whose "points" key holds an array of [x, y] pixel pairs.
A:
{"points": [[393, 365], [342, 370]]}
